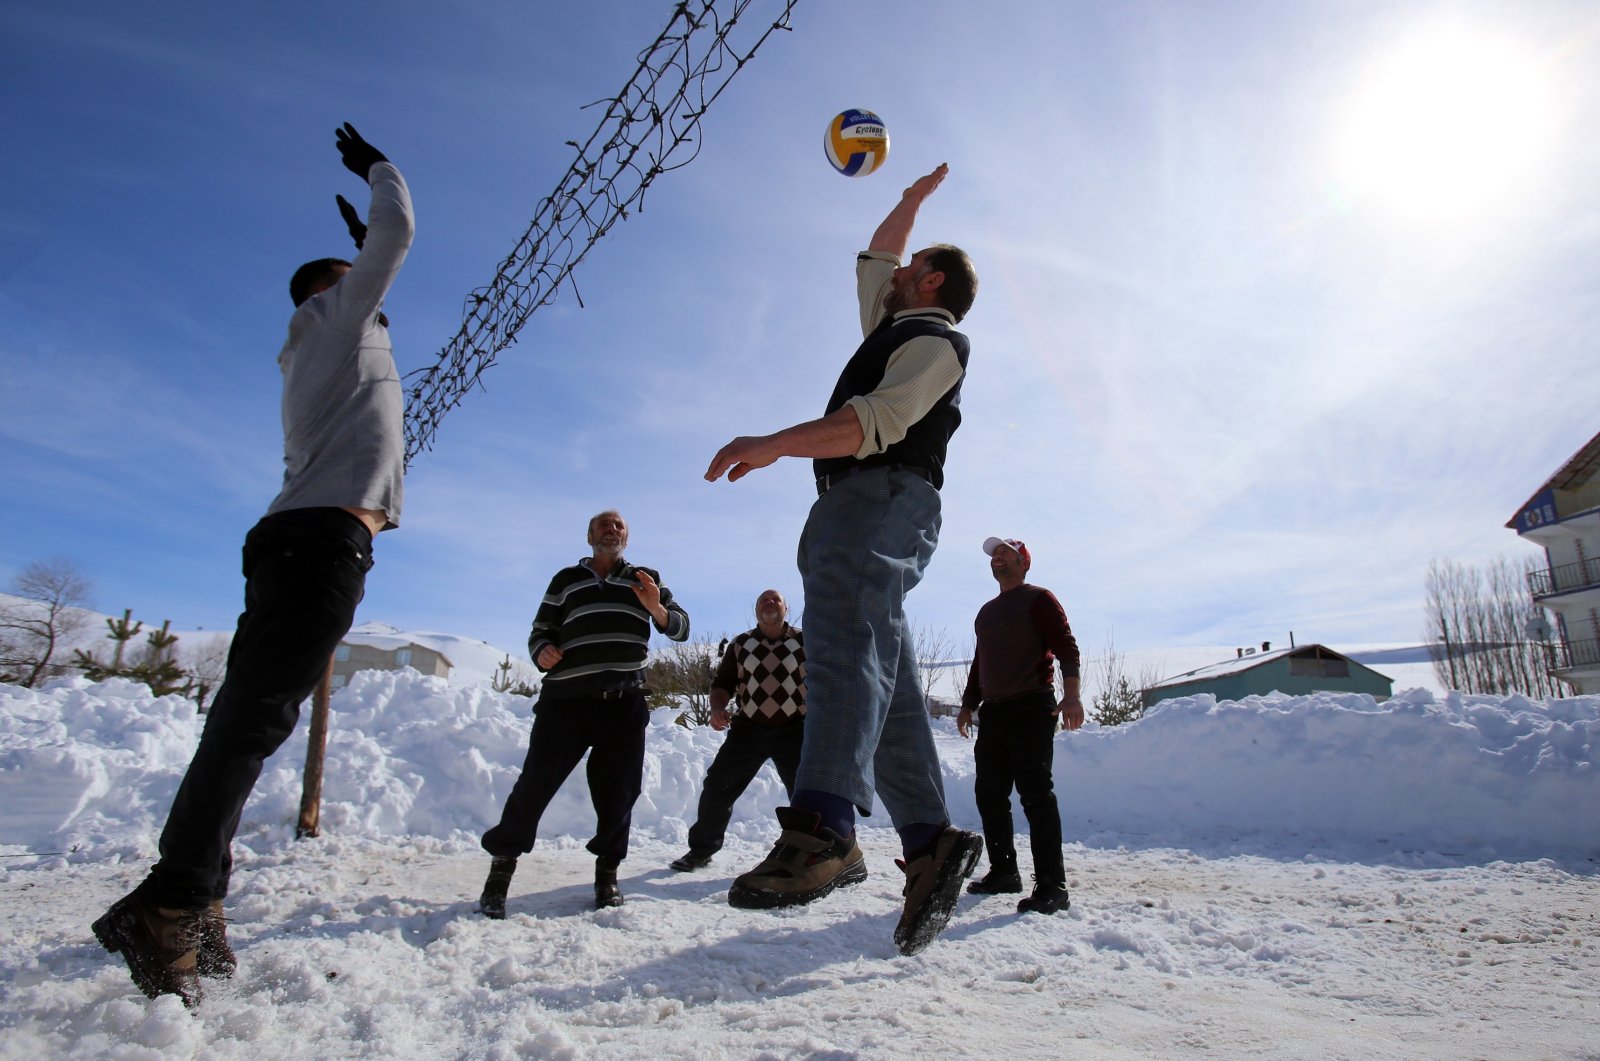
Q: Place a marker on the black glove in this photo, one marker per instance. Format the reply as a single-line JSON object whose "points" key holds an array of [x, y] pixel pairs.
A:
{"points": [[352, 221], [358, 155]]}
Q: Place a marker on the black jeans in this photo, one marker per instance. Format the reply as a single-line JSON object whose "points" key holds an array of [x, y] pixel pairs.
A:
{"points": [[612, 731], [740, 758], [305, 571], [1016, 746]]}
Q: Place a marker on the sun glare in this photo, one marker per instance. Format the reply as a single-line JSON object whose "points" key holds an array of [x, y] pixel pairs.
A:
{"points": [[1445, 124]]}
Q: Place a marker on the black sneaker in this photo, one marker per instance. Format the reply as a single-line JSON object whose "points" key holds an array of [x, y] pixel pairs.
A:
{"points": [[997, 881], [808, 861], [160, 945], [492, 903], [1047, 898], [933, 884], [696, 858]]}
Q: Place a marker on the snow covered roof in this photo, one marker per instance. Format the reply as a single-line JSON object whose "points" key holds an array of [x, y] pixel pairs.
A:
{"points": [[1247, 662], [381, 635]]}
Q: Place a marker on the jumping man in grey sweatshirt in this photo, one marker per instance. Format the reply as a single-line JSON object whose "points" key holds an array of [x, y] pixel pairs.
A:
{"points": [[305, 568]]}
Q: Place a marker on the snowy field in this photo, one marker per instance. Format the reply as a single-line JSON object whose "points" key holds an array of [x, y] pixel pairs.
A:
{"points": [[1282, 877]]}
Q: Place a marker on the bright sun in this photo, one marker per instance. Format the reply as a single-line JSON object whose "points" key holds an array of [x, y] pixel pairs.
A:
{"points": [[1445, 124]]}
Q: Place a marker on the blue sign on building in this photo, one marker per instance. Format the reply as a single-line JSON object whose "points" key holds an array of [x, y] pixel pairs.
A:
{"points": [[1539, 512]]}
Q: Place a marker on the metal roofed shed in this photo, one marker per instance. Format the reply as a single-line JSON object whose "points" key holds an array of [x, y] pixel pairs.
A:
{"points": [[1293, 671]]}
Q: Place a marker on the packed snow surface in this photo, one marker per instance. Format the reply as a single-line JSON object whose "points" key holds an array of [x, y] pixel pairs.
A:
{"points": [[1311, 876]]}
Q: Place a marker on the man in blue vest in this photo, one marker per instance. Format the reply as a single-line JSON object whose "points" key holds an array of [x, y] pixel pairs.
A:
{"points": [[878, 455]]}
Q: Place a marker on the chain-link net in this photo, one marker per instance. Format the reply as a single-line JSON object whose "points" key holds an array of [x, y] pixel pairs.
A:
{"points": [[650, 127]]}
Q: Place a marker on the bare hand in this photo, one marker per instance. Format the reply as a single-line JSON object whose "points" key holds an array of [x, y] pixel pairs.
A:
{"points": [[649, 595], [548, 656], [719, 718], [740, 457], [1070, 711], [923, 186], [963, 720]]}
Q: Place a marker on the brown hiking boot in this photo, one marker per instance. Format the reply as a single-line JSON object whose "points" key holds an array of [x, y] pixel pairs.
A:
{"points": [[492, 903], [808, 862], [215, 958], [160, 945], [933, 883]]}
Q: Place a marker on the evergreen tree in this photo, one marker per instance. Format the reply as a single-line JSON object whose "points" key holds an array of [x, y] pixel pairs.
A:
{"points": [[1117, 704], [156, 666], [122, 631]]}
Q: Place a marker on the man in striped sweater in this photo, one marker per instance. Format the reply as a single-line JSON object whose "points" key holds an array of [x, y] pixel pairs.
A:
{"points": [[590, 638]]}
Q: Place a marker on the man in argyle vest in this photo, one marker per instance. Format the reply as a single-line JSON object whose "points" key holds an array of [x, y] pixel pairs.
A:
{"points": [[763, 672]]}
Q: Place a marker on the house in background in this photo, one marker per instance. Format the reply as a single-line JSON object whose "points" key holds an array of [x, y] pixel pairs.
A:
{"points": [[1563, 518], [360, 652], [1293, 671]]}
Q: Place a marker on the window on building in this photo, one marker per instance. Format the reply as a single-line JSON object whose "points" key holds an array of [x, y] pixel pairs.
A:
{"points": [[342, 653], [1319, 668], [402, 657], [338, 681]]}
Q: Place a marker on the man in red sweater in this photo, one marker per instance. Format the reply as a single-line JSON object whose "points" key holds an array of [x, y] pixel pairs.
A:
{"points": [[1020, 634]]}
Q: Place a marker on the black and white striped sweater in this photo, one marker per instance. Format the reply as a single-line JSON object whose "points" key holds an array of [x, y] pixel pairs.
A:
{"points": [[601, 629]]}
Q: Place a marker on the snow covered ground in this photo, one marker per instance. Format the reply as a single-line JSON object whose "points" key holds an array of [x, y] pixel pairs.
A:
{"points": [[1284, 877]]}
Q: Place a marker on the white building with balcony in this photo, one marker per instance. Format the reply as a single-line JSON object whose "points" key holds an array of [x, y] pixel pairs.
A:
{"points": [[1563, 518]]}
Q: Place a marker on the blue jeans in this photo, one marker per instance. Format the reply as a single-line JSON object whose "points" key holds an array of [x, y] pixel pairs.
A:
{"points": [[864, 547]]}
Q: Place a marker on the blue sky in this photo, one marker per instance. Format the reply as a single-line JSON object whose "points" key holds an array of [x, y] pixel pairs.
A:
{"points": [[1241, 365]]}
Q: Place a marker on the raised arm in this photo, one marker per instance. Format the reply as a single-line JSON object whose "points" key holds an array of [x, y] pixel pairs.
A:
{"points": [[385, 237], [894, 232]]}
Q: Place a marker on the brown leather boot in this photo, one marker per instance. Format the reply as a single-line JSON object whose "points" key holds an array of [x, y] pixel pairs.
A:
{"points": [[216, 958], [933, 884], [160, 945], [808, 862]]}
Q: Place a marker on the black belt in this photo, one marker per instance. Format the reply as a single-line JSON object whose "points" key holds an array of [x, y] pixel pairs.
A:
{"points": [[614, 694], [835, 478]]}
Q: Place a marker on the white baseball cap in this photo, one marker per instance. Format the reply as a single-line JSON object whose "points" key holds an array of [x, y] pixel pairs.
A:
{"points": [[1021, 547]]}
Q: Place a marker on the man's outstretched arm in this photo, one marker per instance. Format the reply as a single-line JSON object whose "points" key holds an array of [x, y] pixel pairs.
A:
{"points": [[894, 232], [838, 434]]}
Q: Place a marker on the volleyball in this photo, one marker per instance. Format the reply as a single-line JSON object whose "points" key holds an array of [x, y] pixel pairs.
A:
{"points": [[856, 142]]}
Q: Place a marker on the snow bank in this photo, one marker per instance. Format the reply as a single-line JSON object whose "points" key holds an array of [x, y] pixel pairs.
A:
{"points": [[91, 769]]}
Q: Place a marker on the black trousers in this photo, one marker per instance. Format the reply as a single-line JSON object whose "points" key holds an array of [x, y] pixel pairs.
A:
{"points": [[612, 732], [305, 571], [747, 747], [1015, 747]]}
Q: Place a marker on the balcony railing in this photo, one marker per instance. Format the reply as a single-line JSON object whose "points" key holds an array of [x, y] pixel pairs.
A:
{"points": [[1573, 654], [1563, 577]]}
